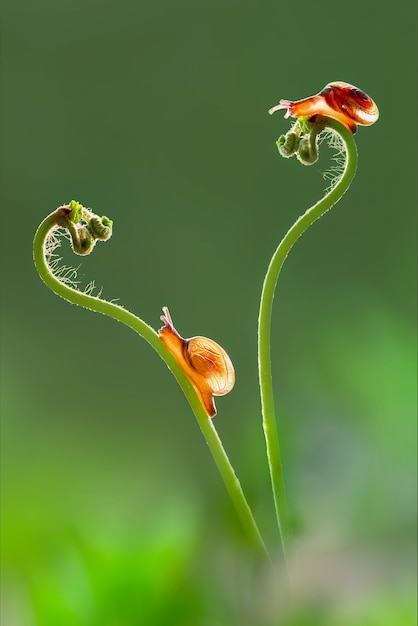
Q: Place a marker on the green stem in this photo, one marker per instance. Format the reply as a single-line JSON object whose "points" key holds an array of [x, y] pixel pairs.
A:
{"points": [[146, 332], [264, 326]]}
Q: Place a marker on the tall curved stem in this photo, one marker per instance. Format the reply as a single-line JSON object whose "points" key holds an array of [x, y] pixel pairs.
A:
{"points": [[264, 325]]}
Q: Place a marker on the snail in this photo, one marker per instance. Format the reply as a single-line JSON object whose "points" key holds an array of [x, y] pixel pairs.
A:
{"points": [[338, 100], [205, 363]]}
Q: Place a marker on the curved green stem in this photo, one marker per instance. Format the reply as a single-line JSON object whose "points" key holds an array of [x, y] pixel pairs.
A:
{"points": [[264, 324], [125, 317]]}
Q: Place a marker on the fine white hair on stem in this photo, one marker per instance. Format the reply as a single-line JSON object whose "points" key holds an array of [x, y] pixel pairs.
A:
{"points": [[66, 274], [334, 173]]}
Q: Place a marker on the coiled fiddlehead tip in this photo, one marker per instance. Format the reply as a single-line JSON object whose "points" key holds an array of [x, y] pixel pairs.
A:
{"points": [[101, 227], [288, 144], [302, 140], [83, 226]]}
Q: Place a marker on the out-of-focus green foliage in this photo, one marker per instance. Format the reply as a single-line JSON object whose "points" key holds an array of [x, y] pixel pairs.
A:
{"points": [[155, 114]]}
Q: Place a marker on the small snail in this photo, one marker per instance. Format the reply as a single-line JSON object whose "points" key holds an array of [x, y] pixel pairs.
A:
{"points": [[205, 363], [341, 101]]}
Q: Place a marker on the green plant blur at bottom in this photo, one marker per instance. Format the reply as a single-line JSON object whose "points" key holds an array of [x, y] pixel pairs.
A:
{"points": [[155, 568]]}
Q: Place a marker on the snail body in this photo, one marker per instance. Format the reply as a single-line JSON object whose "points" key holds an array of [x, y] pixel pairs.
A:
{"points": [[205, 363], [338, 100]]}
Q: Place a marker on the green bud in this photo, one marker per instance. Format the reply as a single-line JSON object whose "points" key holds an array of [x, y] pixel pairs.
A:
{"points": [[308, 150], [100, 227], [76, 211], [82, 240], [288, 144]]}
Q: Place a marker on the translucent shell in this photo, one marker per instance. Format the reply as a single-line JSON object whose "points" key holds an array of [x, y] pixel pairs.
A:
{"points": [[340, 101], [205, 363]]}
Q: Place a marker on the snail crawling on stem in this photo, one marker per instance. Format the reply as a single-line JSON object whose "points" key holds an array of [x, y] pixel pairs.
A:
{"points": [[205, 363], [340, 101]]}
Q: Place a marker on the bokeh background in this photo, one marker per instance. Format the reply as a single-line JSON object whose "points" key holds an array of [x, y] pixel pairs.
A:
{"points": [[155, 114]]}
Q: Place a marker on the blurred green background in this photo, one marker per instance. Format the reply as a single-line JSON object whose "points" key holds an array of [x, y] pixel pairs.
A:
{"points": [[155, 114]]}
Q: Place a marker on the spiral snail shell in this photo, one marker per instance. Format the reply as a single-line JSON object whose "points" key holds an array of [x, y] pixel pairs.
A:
{"points": [[205, 363], [338, 100]]}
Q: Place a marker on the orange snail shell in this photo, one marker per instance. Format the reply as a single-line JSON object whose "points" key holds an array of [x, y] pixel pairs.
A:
{"points": [[205, 363], [340, 101]]}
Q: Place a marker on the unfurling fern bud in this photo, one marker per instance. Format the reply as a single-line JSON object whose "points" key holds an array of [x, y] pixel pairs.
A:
{"points": [[288, 144], [100, 227], [308, 149]]}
